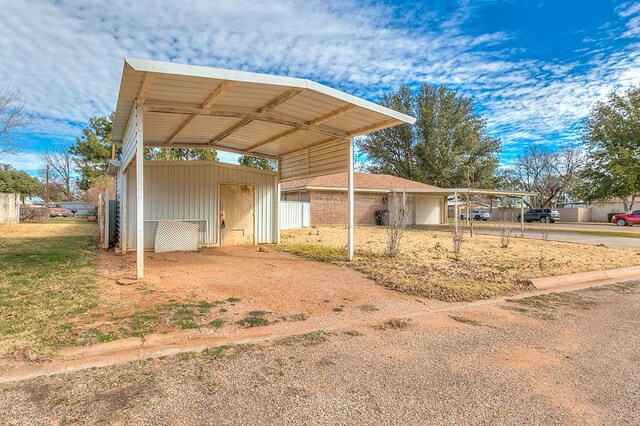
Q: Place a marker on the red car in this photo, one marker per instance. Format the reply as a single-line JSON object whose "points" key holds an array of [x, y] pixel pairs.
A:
{"points": [[627, 219]]}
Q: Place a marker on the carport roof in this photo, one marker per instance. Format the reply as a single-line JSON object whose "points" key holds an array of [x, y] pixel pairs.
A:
{"points": [[250, 113]]}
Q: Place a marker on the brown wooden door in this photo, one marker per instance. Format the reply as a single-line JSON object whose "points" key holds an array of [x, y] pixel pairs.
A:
{"points": [[237, 208]]}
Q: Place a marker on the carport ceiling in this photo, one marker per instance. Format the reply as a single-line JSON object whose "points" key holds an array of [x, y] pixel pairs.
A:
{"points": [[258, 114]]}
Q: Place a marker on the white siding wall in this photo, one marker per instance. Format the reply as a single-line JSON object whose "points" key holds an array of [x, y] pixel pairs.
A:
{"points": [[189, 190], [295, 214]]}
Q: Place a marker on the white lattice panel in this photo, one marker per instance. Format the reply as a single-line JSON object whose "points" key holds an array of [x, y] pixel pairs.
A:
{"points": [[174, 235]]}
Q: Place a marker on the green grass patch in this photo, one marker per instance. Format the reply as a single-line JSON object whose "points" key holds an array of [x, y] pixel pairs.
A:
{"points": [[368, 308], [45, 284], [216, 352], [546, 306], [317, 252], [392, 324], [308, 339], [628, 287], [254, 319], [607, 233], [465, 320], [186, 356], [298, 317], [217, 323], [251, 321], [185, 318]]}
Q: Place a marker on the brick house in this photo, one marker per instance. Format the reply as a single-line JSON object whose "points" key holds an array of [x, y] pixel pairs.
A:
{"points": [[328, 198]]}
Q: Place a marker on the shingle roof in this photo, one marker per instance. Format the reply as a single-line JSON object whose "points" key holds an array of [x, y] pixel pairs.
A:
{"points": [[361, 181]]}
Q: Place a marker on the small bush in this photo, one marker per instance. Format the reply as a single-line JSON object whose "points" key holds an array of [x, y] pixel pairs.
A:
{"points": [[610, 216], [33, 214]]}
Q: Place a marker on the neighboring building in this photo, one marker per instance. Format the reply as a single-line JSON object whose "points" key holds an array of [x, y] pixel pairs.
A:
{"points": [[328, 197], [82, 209]]}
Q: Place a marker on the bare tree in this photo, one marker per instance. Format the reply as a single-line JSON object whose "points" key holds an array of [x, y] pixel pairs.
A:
{"points": [[12, 117], [61, 166], [506, 226], [397, 220], [457, 236], [547, 172]]}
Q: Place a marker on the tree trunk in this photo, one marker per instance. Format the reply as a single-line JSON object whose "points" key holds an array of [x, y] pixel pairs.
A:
{"points": [[633, 199], [625, 204]]}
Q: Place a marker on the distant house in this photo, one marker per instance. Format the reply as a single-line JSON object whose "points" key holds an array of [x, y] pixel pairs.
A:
{"points": [[81, 209], [328, 197]]}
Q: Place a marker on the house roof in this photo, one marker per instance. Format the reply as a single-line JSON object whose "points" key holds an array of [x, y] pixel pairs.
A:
{"points": [[361, 181], [256, 114]]}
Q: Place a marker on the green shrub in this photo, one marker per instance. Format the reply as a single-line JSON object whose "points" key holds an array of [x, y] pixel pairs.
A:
{"points": [[610, 216]]}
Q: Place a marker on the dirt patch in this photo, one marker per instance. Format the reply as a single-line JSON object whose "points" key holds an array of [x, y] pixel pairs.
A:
{"points": [[525, 357], [517, 372]]}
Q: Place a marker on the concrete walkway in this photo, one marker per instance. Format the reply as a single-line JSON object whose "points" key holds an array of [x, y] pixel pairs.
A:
{"points": [[154, 346], [570, 237]]}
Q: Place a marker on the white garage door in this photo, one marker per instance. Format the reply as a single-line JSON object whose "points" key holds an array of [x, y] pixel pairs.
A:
{"points": [[428, 210]]}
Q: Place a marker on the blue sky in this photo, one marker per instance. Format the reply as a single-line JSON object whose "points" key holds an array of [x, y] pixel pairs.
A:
{"points": [[534, 67]]}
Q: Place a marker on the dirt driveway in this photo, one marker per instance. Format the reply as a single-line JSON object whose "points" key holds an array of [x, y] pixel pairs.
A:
{"points": [[262, 279], [561, 359]]}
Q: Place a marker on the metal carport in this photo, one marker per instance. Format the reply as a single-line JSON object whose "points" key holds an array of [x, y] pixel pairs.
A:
{"points": [[306, 126]]}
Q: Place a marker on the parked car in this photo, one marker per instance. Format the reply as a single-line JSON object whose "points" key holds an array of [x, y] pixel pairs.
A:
{"points": [[56, 210], [627, 219], [477, 215], [540, 215]]}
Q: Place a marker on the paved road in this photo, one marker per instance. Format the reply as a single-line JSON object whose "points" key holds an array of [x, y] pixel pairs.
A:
{"points": [[571, 237], [587, 226]]}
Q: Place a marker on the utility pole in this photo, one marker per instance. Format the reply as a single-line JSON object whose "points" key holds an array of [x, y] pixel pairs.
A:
{"points": [[46, 187]]}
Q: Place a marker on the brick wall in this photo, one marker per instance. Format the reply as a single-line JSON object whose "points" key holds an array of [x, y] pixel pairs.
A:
{"points": [[330, 207]]}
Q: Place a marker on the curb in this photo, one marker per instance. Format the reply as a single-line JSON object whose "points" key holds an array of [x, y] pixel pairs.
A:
{"points": [[586, 277]]}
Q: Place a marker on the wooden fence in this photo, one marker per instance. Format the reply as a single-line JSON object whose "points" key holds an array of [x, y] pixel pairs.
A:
{"points": [[9, 208]]}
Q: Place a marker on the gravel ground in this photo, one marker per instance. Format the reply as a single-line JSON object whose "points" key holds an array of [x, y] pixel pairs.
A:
{"points": [[568, 359]]}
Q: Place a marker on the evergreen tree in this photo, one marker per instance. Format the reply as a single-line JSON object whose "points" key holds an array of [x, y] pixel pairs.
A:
{"points": [[448, 146], [92, 151], [612, 142], [18, 182]]}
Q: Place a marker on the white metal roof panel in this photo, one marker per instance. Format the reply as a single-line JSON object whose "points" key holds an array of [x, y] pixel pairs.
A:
{"points": [[273, 114]]}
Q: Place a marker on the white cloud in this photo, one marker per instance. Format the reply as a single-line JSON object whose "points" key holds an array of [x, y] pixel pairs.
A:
{"points": [[27, 161], [66, 56]]}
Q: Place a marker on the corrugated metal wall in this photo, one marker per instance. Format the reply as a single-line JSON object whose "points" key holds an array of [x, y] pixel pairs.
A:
{"points": [[189, 191], [295, 214], [129, 139], [327, 158]]}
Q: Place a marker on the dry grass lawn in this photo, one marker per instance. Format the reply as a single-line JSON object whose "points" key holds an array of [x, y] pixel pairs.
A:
{"points": [[426, 265], [47, 279]]}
